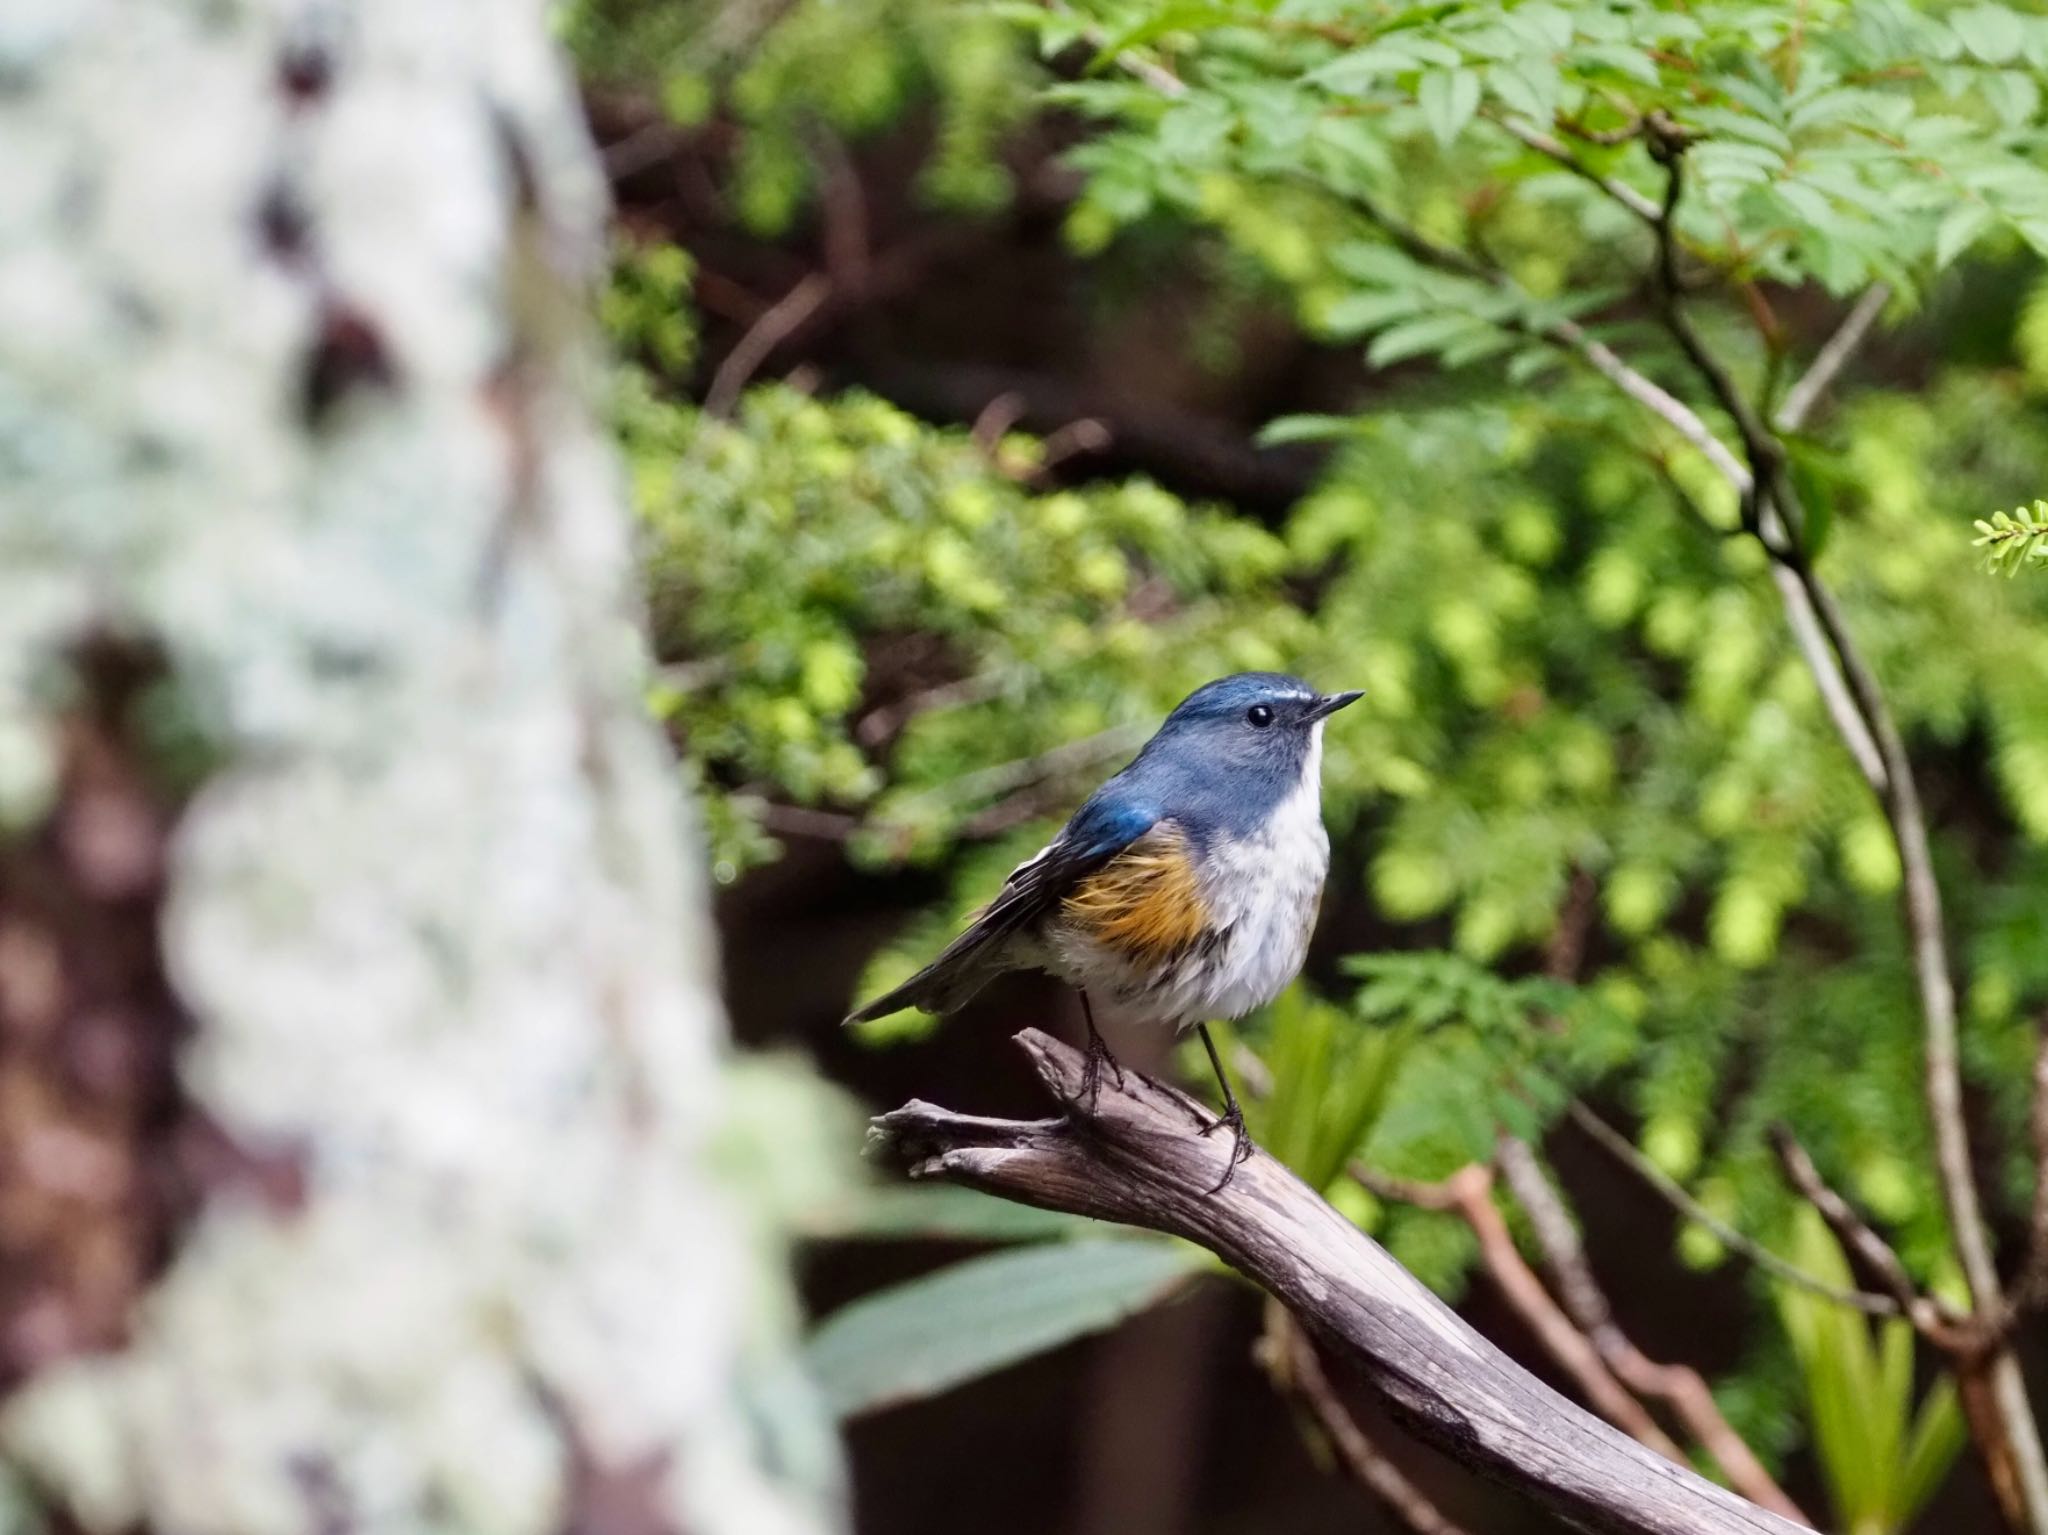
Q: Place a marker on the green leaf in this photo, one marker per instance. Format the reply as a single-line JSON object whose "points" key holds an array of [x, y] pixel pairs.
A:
{"points": [[1195, 17], [1413, 338], [1938, 1438], [1448, 100], [1991, 32], [1310, 428], [932, 1334], [1959, 229]]}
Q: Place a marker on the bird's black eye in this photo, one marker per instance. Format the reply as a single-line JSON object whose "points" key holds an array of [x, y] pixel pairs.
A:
{"points": [[1259, 715]]}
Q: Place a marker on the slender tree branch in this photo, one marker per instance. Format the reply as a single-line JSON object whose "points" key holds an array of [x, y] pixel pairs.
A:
{"points": [[1136, 1155], [1617, 1145], [807, 821], [1586, 1303], [1765, 453], [1933, 1320], [885, 722], [2007, 1433], [1833, 356], [1807, 631], [1656, 399], [1620, 191], [1468, 1194], [1290, 1362], [782, 319]]}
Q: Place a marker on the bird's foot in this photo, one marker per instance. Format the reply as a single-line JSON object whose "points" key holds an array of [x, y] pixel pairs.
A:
{"points": [[1092, 1062], [1240, 1142]]}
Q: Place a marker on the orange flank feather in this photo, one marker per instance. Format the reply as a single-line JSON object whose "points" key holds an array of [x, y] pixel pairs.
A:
{"points": [[1145, 903]]}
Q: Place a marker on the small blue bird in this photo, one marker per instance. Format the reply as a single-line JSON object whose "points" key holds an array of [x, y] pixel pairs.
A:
{"points": [[1183, 890]]}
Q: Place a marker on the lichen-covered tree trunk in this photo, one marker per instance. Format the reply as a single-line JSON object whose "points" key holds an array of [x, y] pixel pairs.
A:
{"points": [[359, 1041]]}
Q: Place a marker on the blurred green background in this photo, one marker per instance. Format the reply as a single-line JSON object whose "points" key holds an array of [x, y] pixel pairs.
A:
{"points": [[992, 374]]}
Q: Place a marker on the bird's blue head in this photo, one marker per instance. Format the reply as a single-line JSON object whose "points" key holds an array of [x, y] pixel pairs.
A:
{"points": [[1247, 740]]}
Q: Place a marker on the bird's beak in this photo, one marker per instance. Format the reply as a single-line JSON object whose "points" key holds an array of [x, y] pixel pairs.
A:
{"points": [[1330, 703]]}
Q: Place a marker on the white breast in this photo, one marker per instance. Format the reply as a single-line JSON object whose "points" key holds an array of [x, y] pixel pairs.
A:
{"points": [[1261, 892], [1266, 889]]}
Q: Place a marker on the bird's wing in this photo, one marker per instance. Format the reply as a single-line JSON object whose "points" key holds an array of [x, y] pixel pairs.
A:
{"points": [[1100, 830]]}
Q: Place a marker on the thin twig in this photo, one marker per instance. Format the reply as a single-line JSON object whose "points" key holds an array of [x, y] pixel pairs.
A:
{"points": [[1807, 631], [1021, 772], [1765, 453], [1617, 1145], [806, 821], [1586, 1303], [1927, 1314], [1136, 65], [1833, 356], [884, 722], [1624, 194], [1468, 1194], [1291, 1363], [782, 320]]}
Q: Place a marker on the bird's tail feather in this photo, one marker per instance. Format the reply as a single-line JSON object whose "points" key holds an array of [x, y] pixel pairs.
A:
{"points": [[967, 965]]}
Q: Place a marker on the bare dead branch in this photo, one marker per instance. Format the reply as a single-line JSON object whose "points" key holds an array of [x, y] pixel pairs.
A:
{"points": [[1290, 1362], [1833, 356], [1682, 1387], [1468, 1194], [1136, 1157]]}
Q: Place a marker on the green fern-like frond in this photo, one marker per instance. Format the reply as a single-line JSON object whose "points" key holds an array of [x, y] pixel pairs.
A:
{"points": [[2012, 539]]}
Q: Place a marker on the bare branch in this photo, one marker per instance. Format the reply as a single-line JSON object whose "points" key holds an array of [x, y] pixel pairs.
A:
{"points": [[1136, 1156], [2002, 1419], [1550, 148], [1291, 1364], [1617, 1145], [806, 821], [782, 319], [1679, 1385], [1807, 631], [1468, 1194], [1833, 356], [1928, 1315]]}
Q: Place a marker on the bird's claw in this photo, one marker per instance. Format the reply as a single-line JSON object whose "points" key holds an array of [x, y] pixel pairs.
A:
{"points": [[1240, 1143], [1092, 1062]]}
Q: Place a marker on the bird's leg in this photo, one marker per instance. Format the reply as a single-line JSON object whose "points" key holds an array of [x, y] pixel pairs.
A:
{"points": [[1233, 1115], [1098, 1056]]}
